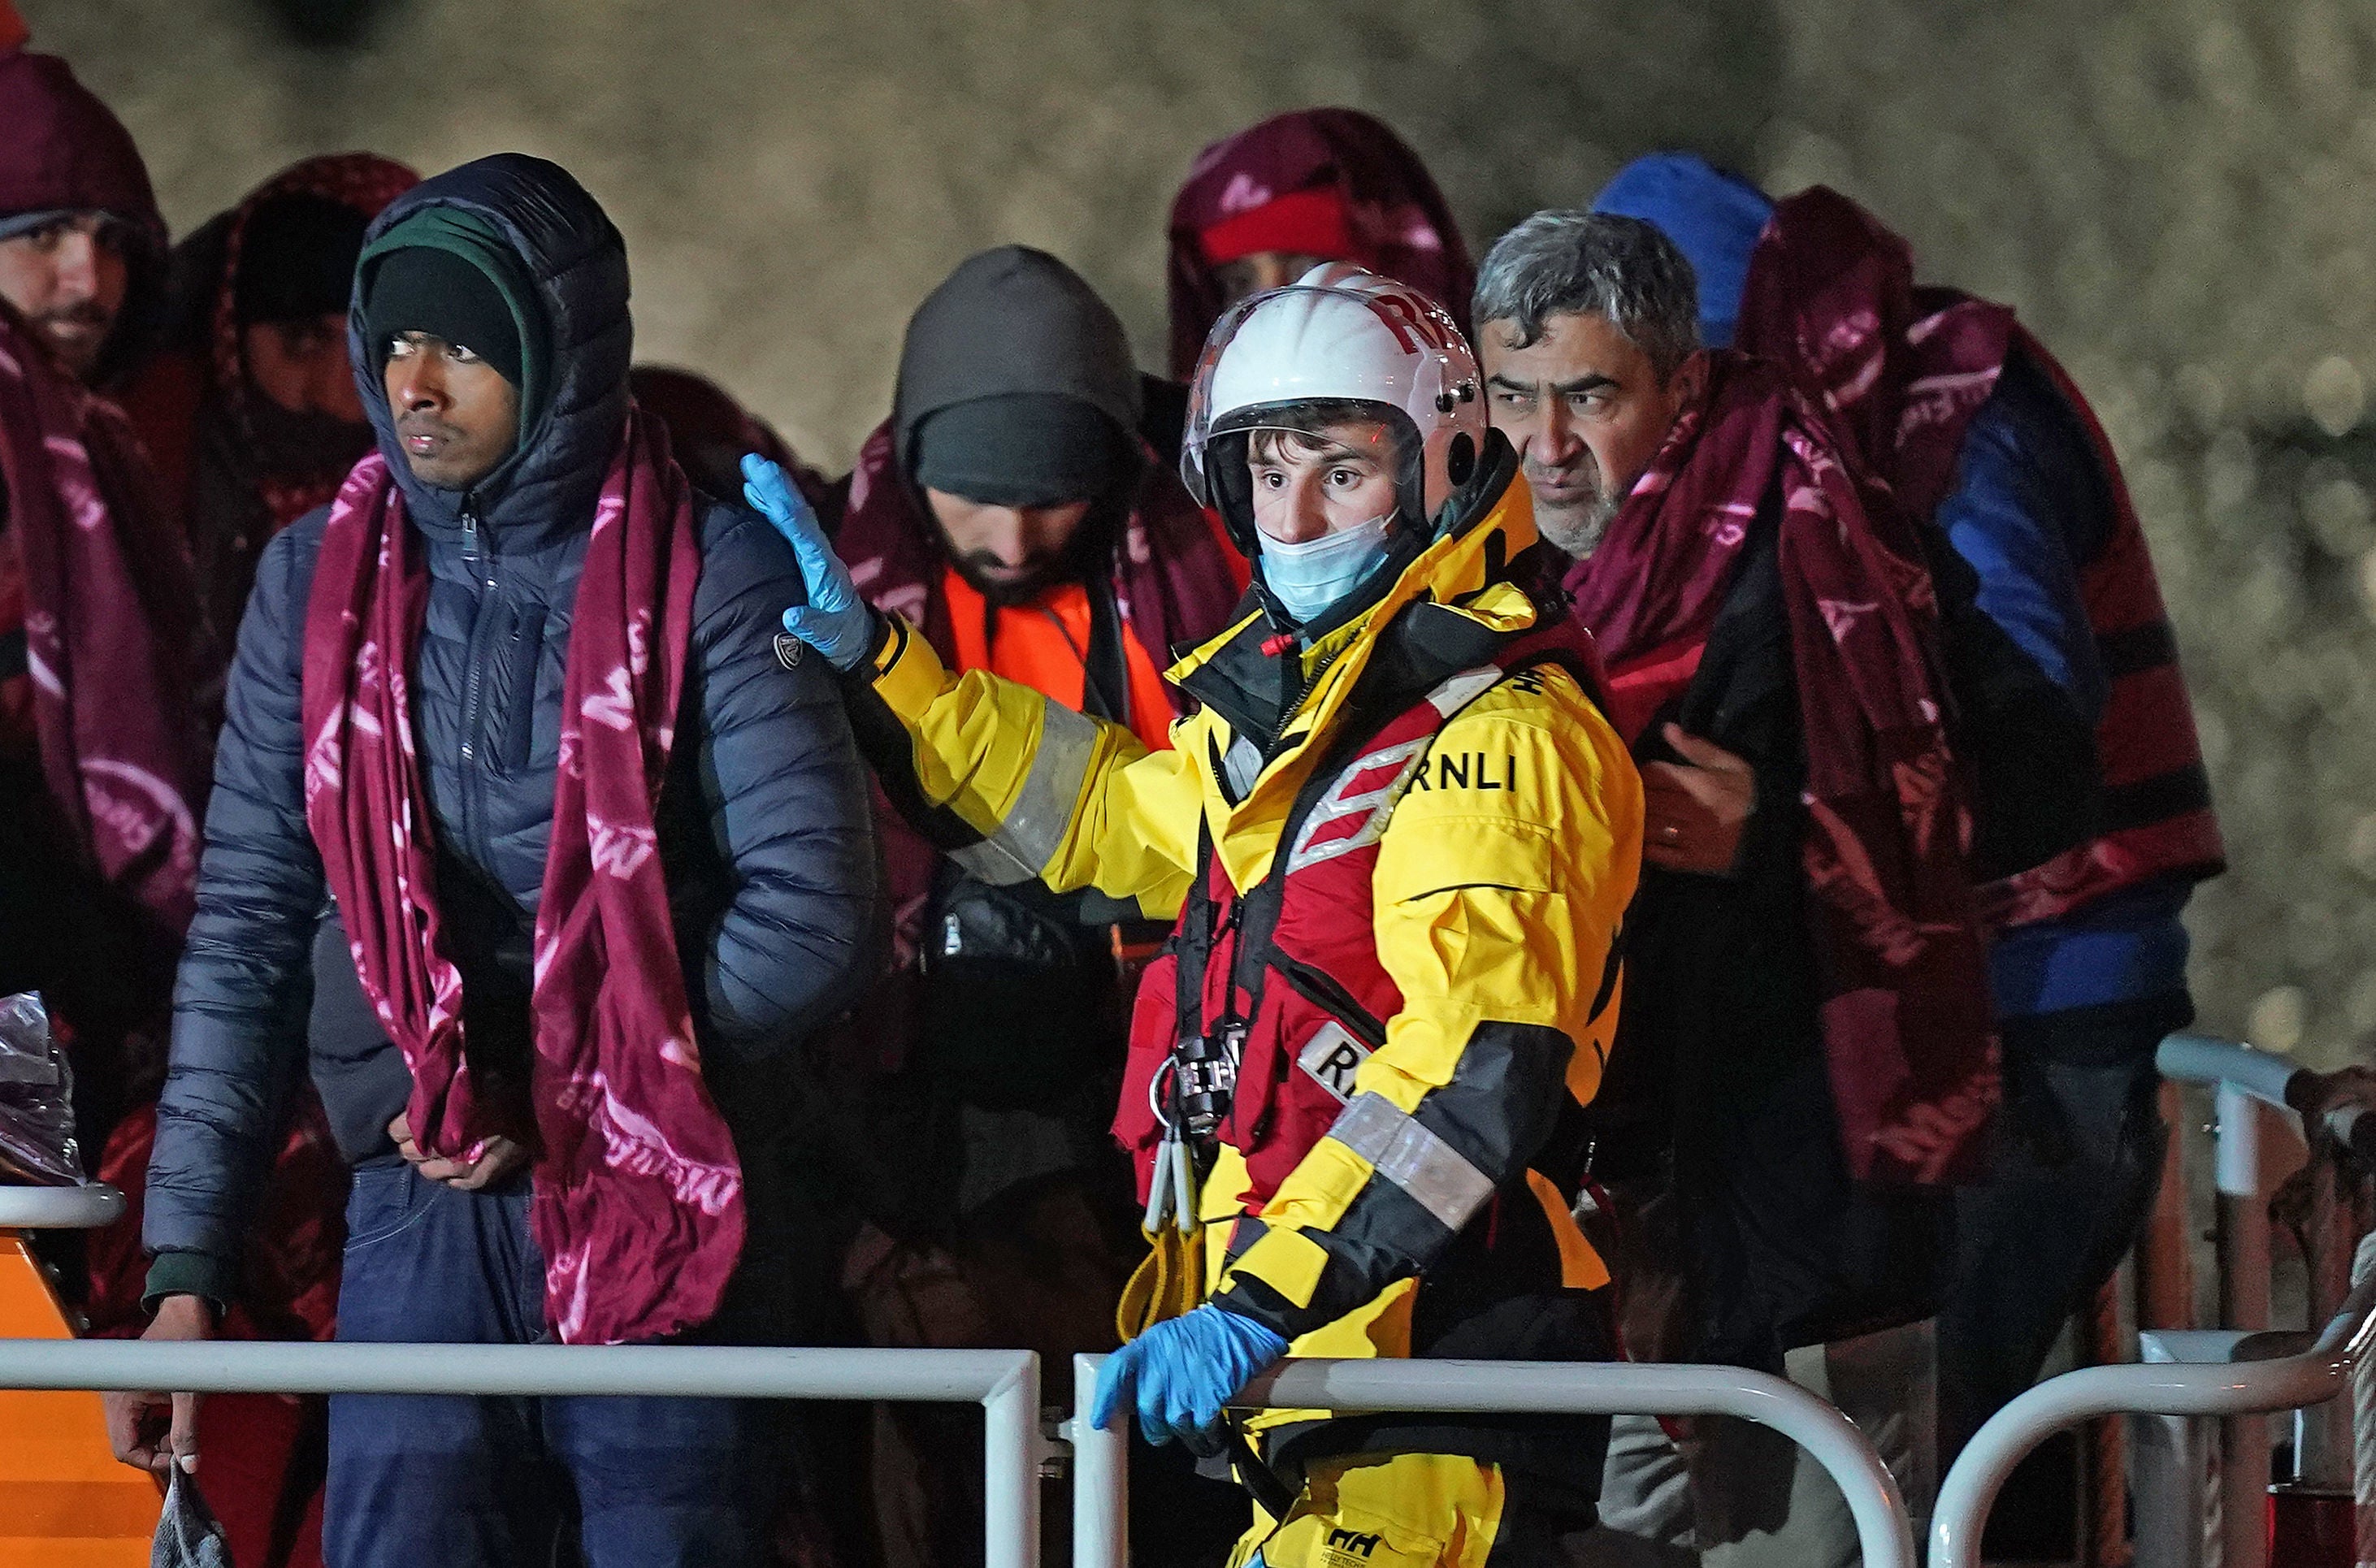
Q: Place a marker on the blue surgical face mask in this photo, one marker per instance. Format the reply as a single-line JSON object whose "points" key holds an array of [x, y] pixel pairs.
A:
{"points": [[1307, 578]]}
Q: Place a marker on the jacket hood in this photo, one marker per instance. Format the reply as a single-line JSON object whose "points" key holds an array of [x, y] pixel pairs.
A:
{"points": [[66, 152], [1398, 223], [210, 263], [1713, 217], [546, 488], [1007, 321]]}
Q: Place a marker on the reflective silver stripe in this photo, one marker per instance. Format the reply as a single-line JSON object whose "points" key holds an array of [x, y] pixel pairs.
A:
{"points": [[1430, 1170], [1455, 693], [1029, 837], [1406, 758]]}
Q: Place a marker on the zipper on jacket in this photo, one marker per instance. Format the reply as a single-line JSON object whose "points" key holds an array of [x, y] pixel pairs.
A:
{"points": [[1230, 929], [1287, 714], [1309, 684], [482, 567], [1324, 991]]}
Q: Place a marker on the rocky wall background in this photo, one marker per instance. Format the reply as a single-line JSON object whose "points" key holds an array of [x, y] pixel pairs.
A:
{"points": [[2174, 194]]}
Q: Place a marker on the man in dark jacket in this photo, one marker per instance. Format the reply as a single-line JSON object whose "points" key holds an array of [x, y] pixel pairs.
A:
{"points": [[566, 574], [1011, 509], [1972, 422], [1791, 1100]]}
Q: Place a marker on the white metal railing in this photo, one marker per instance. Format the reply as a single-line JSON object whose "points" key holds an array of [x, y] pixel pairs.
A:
{"points": [[2267, 1077], [2258, 1096], [86, 1207], [1598, 1388], [1005, 1382], [2168, 1389], [2248, 1085]]}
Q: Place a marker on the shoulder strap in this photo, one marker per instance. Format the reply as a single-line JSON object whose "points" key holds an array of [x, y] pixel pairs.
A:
{"points": [[1105, 671], [1193, 948]]}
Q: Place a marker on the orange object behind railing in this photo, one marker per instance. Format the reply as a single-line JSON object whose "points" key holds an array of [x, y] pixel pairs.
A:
{"points": [[65, 1503]]}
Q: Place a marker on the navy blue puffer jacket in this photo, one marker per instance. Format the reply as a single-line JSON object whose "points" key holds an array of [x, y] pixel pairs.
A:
{"points": [[764, 826]]}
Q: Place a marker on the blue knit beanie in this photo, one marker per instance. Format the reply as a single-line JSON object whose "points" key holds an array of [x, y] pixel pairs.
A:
{"points": [[1714, 218]]}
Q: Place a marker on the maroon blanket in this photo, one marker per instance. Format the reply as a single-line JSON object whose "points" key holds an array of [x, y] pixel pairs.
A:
{"points": [[363, 181], [1908, 1035], [639, 1201], [1831, 295], [1394, 220], [117, 671]]}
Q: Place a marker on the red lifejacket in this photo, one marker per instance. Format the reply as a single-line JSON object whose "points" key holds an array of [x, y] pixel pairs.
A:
{"points": [[1289, 969]]}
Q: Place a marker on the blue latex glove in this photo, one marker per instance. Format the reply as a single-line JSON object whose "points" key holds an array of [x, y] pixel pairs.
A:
{"points": [[834, 620], [1185, 1371]]}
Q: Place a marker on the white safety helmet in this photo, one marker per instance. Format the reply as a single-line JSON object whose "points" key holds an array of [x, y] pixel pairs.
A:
{"points": [[1337, 338]]}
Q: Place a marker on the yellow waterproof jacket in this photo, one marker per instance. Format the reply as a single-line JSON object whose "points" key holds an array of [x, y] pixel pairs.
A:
{"points": [[1496, 911]]}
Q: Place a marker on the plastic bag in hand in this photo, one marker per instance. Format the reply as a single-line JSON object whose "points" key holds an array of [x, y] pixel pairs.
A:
{"points": [[36, 1128], [187, 1533]]}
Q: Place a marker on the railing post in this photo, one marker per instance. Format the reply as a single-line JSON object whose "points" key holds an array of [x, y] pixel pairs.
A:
{"points": [[2363, 1421], [2104, 1449], [2322, 1436], [2243, 1304], [1010, 1492], [2166, 1253], [1101, 1477], [1005, 1382]]}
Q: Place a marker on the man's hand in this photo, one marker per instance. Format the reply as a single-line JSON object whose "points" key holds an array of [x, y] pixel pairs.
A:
{"points": [[1695, 812], [836, 621], [2331, 1103], [149, 1432], [498, 1157]]}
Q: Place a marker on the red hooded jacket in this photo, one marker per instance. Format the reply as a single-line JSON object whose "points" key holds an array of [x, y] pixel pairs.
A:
{"points": [[1331, 183]]}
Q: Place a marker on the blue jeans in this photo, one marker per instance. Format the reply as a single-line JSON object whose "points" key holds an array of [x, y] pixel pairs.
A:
{"points": [[459, 1482], [2070, 1185]]}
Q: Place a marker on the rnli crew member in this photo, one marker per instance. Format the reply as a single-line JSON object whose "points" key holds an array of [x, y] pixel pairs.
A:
{"points": [[1399, 836]]}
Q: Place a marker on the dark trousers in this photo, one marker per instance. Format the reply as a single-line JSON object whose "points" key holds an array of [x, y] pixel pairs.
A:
{"points": [[462, 1482], [2077, 1162]]}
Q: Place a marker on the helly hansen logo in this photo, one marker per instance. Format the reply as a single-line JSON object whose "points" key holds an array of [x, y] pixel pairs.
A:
{"points": [[1333, 1057], [1467, 771], [1347, 1540]]}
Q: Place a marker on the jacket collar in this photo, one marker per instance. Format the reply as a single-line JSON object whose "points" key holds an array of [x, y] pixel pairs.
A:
{"points": [[1455, 601], [1449, 611]]}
